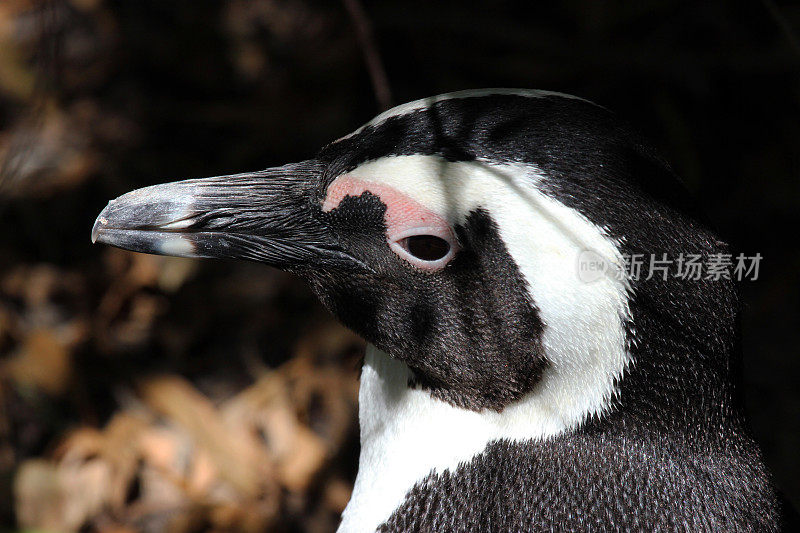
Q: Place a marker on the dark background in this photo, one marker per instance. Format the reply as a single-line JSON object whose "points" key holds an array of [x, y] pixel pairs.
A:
{"points": [[98, 97]]}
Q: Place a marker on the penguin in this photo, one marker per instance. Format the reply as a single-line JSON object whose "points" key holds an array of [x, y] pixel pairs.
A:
{"points": [[503, 388]]}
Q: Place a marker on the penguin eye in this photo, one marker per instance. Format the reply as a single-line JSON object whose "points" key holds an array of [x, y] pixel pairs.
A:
{"points": [[426, 247], [426, 251]]}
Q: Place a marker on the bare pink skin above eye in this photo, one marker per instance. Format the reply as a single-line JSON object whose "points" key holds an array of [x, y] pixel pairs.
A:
{"points": [[404, 216]]}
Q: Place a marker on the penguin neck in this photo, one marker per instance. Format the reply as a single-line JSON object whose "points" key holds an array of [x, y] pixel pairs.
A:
{"points": [[406, 434]]}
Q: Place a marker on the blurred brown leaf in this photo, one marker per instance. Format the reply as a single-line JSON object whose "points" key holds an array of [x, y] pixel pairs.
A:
{"points": [[42, 361], [234, 452], [59, 497]]}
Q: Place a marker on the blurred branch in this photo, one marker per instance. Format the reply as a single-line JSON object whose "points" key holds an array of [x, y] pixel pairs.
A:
{"points": [[366, 38]]}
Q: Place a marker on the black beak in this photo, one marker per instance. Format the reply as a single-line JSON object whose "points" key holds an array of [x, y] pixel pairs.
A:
{"points": [[269, 216]]}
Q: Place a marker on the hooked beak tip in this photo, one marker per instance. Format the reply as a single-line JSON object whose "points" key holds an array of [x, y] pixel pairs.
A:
{"points": [[147, 220], [99, 225]]}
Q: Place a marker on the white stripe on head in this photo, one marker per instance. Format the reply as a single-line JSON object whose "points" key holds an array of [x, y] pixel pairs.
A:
{"points": [[425, 103], [405, 433]]}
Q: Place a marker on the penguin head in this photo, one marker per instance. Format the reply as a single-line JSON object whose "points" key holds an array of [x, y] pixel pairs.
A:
{"points": [[451, 233]]}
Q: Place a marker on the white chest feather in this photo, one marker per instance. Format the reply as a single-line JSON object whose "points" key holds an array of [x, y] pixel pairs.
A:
{"points": [[405, 434]]}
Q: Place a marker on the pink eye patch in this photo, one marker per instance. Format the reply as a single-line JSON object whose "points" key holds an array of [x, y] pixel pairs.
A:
{"points": [[414, 232]]}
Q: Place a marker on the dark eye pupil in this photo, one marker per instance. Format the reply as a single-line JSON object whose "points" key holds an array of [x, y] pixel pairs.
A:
{"points": [[427, 247]]}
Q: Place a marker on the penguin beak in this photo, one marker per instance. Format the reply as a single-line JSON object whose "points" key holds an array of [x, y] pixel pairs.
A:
{"points": [[268, 216]]}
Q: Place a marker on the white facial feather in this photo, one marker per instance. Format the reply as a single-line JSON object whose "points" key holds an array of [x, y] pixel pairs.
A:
{"points": [[405, 433]]}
